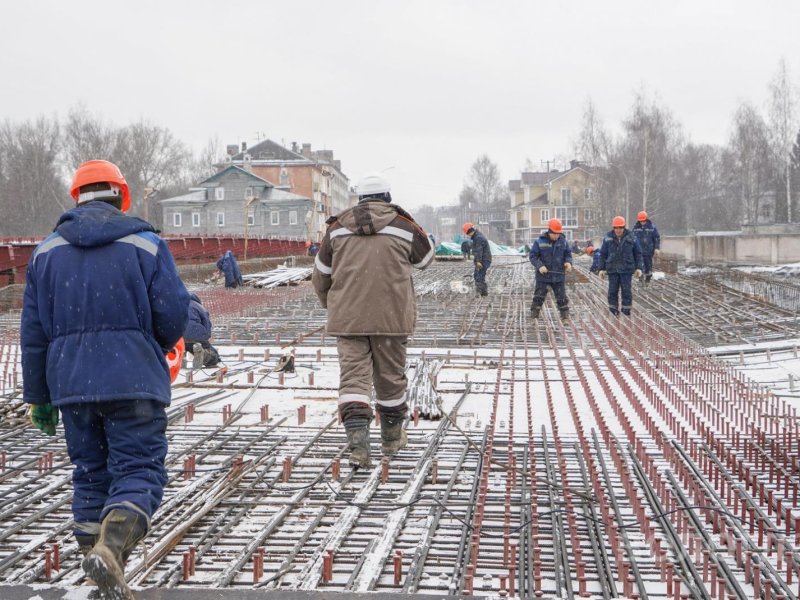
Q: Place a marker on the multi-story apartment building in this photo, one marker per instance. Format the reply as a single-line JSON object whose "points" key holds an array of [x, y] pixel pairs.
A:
{"points": [[538, 197]]}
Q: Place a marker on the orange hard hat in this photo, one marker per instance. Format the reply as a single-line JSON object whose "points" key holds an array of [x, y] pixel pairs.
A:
{"points": [[100, 171], [642, 216], [589, 250], [554, 225], [175, 359], [467, 227], [618, 222]]}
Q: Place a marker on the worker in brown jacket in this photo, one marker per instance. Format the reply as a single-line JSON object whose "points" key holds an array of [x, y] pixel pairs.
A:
{"points": [[362, 275]]}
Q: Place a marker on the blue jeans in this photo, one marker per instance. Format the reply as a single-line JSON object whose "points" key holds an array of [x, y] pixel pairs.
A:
{"points": [[620, 282], [118, 450]]}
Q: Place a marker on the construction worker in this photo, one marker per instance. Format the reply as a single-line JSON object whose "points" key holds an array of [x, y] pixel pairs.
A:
{"points": [[551, 256], [198, 335], [621, 260], [103, 305], [230, 268], [466, 248], [649, 241], [595, 254], [362, 275], [481, 257]]}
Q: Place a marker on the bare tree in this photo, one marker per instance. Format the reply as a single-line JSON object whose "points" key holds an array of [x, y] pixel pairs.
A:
{"points": [[593, 146], [202, 166], [747, 170], [32, 193], [783, 124], [652, 140], [87, 137], [484, 179]]}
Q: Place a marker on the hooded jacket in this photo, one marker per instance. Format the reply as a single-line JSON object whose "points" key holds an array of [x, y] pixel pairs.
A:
{"points": [[362, 272], [620, 254], [481, 252], [102, 305], [230, 268]]}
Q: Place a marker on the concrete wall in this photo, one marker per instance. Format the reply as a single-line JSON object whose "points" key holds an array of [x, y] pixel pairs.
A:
{"points": [[735, 248]]}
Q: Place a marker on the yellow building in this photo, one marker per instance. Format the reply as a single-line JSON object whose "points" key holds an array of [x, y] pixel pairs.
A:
{"points": [[538, 197]]}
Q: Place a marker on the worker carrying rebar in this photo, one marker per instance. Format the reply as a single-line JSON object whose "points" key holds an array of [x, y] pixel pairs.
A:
{"points": [[230, 269], [551, 256], [198, 335], [621, 260], [649, 240], [362, 275], [481, 257], [103, 305]]}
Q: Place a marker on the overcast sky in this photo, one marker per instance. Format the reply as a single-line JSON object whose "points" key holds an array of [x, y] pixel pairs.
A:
{"points": [[424, 87]]}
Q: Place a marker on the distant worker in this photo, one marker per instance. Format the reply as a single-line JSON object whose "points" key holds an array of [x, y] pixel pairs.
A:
{"points": [[595, 254], [198, 335], [481, 257], [466, 248], [621, 260], [362, 275], [230, 268], [551, 256], [313, 249], [574, 248], [649, 241], [103, 307]]}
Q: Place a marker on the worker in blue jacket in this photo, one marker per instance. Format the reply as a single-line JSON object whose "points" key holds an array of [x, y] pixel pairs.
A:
{"points": [[649, 240], [552, 258], [230, 268], [102, 306], [595, 254], [481, 257], [621, 260], [198, 335]]}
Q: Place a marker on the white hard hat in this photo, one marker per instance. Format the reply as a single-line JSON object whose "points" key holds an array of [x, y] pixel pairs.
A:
{"points": [[372, 183]]}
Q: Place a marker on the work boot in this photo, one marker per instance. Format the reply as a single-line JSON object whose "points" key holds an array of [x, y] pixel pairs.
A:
{"points": [[393, 436], [565, 317], [648, 277], [198, 356], [105, 563], [85, 542], [535, 311], [358, 443]]}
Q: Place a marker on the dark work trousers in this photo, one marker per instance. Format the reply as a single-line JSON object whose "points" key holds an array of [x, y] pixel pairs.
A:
{"points": [[480, 278], [365, 362], [559, 290], [648, 263], [620, 282], [118, 449]]}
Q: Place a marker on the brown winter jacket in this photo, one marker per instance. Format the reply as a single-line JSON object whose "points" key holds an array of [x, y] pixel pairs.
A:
{"points": [[362, 272]]}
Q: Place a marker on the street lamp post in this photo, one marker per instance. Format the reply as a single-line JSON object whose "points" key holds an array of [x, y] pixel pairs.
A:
{"points": [[248, 201], [627, 206], [149, 192]]}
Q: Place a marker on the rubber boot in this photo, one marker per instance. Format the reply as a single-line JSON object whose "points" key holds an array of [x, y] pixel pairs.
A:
{"points": [[565, 316], [85, 544], [358, 443], [393, 436], [105, 564], [535, 311]]}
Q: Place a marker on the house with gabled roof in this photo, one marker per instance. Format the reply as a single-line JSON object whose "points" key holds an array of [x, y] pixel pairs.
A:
{"points": [[311, 173], [223, 203], [537, 197]]}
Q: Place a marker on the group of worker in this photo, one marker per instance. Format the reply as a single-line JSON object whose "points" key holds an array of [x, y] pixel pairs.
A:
{"points": [[105, 308]]}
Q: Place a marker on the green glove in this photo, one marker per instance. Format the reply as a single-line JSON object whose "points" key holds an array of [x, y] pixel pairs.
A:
{"points": [[44, 417]]}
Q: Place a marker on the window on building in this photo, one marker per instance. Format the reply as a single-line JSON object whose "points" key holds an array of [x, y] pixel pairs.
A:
{"points": [[292, 217], [566, 196], [545, 217], [587, 215], [251, 219], [567, 216], [248, 193], [274, 217], [221, 219], [176, 219], [195, 219], [219, 193], [588, 194]]}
